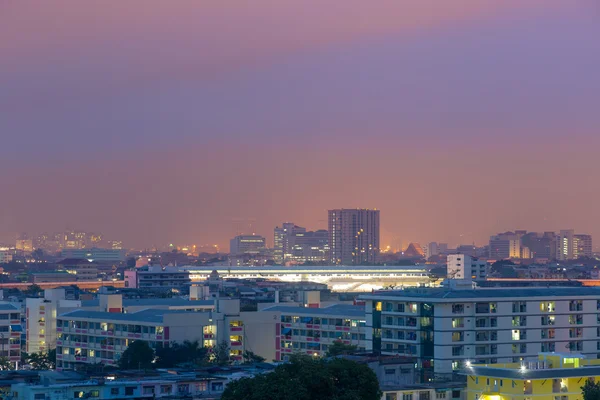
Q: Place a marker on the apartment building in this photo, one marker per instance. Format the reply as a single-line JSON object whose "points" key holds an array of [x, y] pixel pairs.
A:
{"points": [[445, 328], [40, 314], [157, 277], [312, 330], [553, 376], [10, 332], [89, 337], [463, 266]]}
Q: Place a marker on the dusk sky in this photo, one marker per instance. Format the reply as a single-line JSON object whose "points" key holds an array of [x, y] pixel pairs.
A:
{"points": [[167, 121]]}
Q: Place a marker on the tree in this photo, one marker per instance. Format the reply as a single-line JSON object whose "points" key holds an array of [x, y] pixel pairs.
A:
{"points": [[220, 355], [5, 364], [191, 353], [38, 254], [33, 290], [339, 348], [250, 357], [40, 361], [131, 262], [306, 378], [138, 355], [591, 390]]}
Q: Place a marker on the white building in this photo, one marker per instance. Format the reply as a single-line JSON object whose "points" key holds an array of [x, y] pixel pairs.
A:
{"points": [[445, 328], [462, 266], [41, 316], [247, 244], [565, 245], [10, 332]]}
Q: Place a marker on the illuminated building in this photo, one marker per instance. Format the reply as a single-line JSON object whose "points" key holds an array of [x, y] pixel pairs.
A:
{"points": [[247, 244], [353, 236], [446, 327], [552, 376], [6, 255], [583, 246], [24, 245], [95, 254], [504, 246], [338, 278], [565, 245], [284, 239]]}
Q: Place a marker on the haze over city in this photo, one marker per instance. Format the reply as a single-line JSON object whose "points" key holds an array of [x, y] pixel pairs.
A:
{"points": [[147, 121]]}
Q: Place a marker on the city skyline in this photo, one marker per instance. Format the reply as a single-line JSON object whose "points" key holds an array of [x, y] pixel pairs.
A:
{"points": [[458, 121]]}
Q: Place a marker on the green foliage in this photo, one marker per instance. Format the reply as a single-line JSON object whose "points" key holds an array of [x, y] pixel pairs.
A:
{"points": [[190, 353], [305, 378], [220, 355], [6, 364], [591, 390], [338, 348], [40, 361], [33, 290], [138, 355], [250, 357]]}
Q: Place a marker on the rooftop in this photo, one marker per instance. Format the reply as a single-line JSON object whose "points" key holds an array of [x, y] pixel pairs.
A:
{"points": [[173, 302], [148, 316], [446, 293], [7, 307], [342, 310], [550, 373]]}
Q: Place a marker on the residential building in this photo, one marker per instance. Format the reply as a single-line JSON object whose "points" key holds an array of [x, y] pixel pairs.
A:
{"points": [[10, 332], [353, 236], [6, 255], [551, 376], [565, 245], [169, 386], [312, 330], [445, 327], [90, 337], [41, 313], [95, 254], [157, 277], [462, 266], [83, 269], [247, 244], [583, 246]]}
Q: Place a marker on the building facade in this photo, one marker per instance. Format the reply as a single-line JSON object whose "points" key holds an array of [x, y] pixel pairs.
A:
{"points": [[462, 266], [445, 328], [157, 277], [247, 244], [353, 236], [552, 376]]}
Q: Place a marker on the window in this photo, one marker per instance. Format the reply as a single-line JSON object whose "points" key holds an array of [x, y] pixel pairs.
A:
{"points": [[548, 320], [458, 308], [94, 393], [78, 394], [114, 391], [39, 396], [440, 395], [547, 306], [147, 389], [458, 350], [129, 390], [576, 319], [519, 321], [458, 322], [576, 305], [519, 334], [519, 307], [457, 336], [407, 396]]}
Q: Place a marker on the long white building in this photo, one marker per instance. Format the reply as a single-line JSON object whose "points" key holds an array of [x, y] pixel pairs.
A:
{"points": [[339, 278], [444, 328]]}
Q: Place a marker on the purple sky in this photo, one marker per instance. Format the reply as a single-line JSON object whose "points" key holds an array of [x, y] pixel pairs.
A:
{"points": [[159, 122]]}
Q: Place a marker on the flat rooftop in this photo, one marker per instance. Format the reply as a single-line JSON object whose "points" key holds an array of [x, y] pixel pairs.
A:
{"points": [[148, 316], [338, 310], [499, 293], [173, 302], [548, 373]]}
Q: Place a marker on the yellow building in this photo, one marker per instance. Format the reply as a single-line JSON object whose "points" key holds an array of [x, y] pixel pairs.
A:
{"points": [[553, 377]]}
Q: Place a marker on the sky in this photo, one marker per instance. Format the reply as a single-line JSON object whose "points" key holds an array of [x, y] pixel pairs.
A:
{"points": [[185, 122]]}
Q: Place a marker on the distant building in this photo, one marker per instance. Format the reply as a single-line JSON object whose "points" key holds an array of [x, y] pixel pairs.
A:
{"points": [[353, 236], [24, 245], [247, 244], [5, 256], [414, 250], [504, 246], [96, 254], [583, 246], [81, 268], [157, 277], [311, 246], [463, 266], [431, 250], [284, 238], [565, 245]]}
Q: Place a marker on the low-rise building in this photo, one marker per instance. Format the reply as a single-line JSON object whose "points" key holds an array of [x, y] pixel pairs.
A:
{"points": [[312, 330], [10, 332], [83, 269], [157, 277], [553, 376], [89, 337]]}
